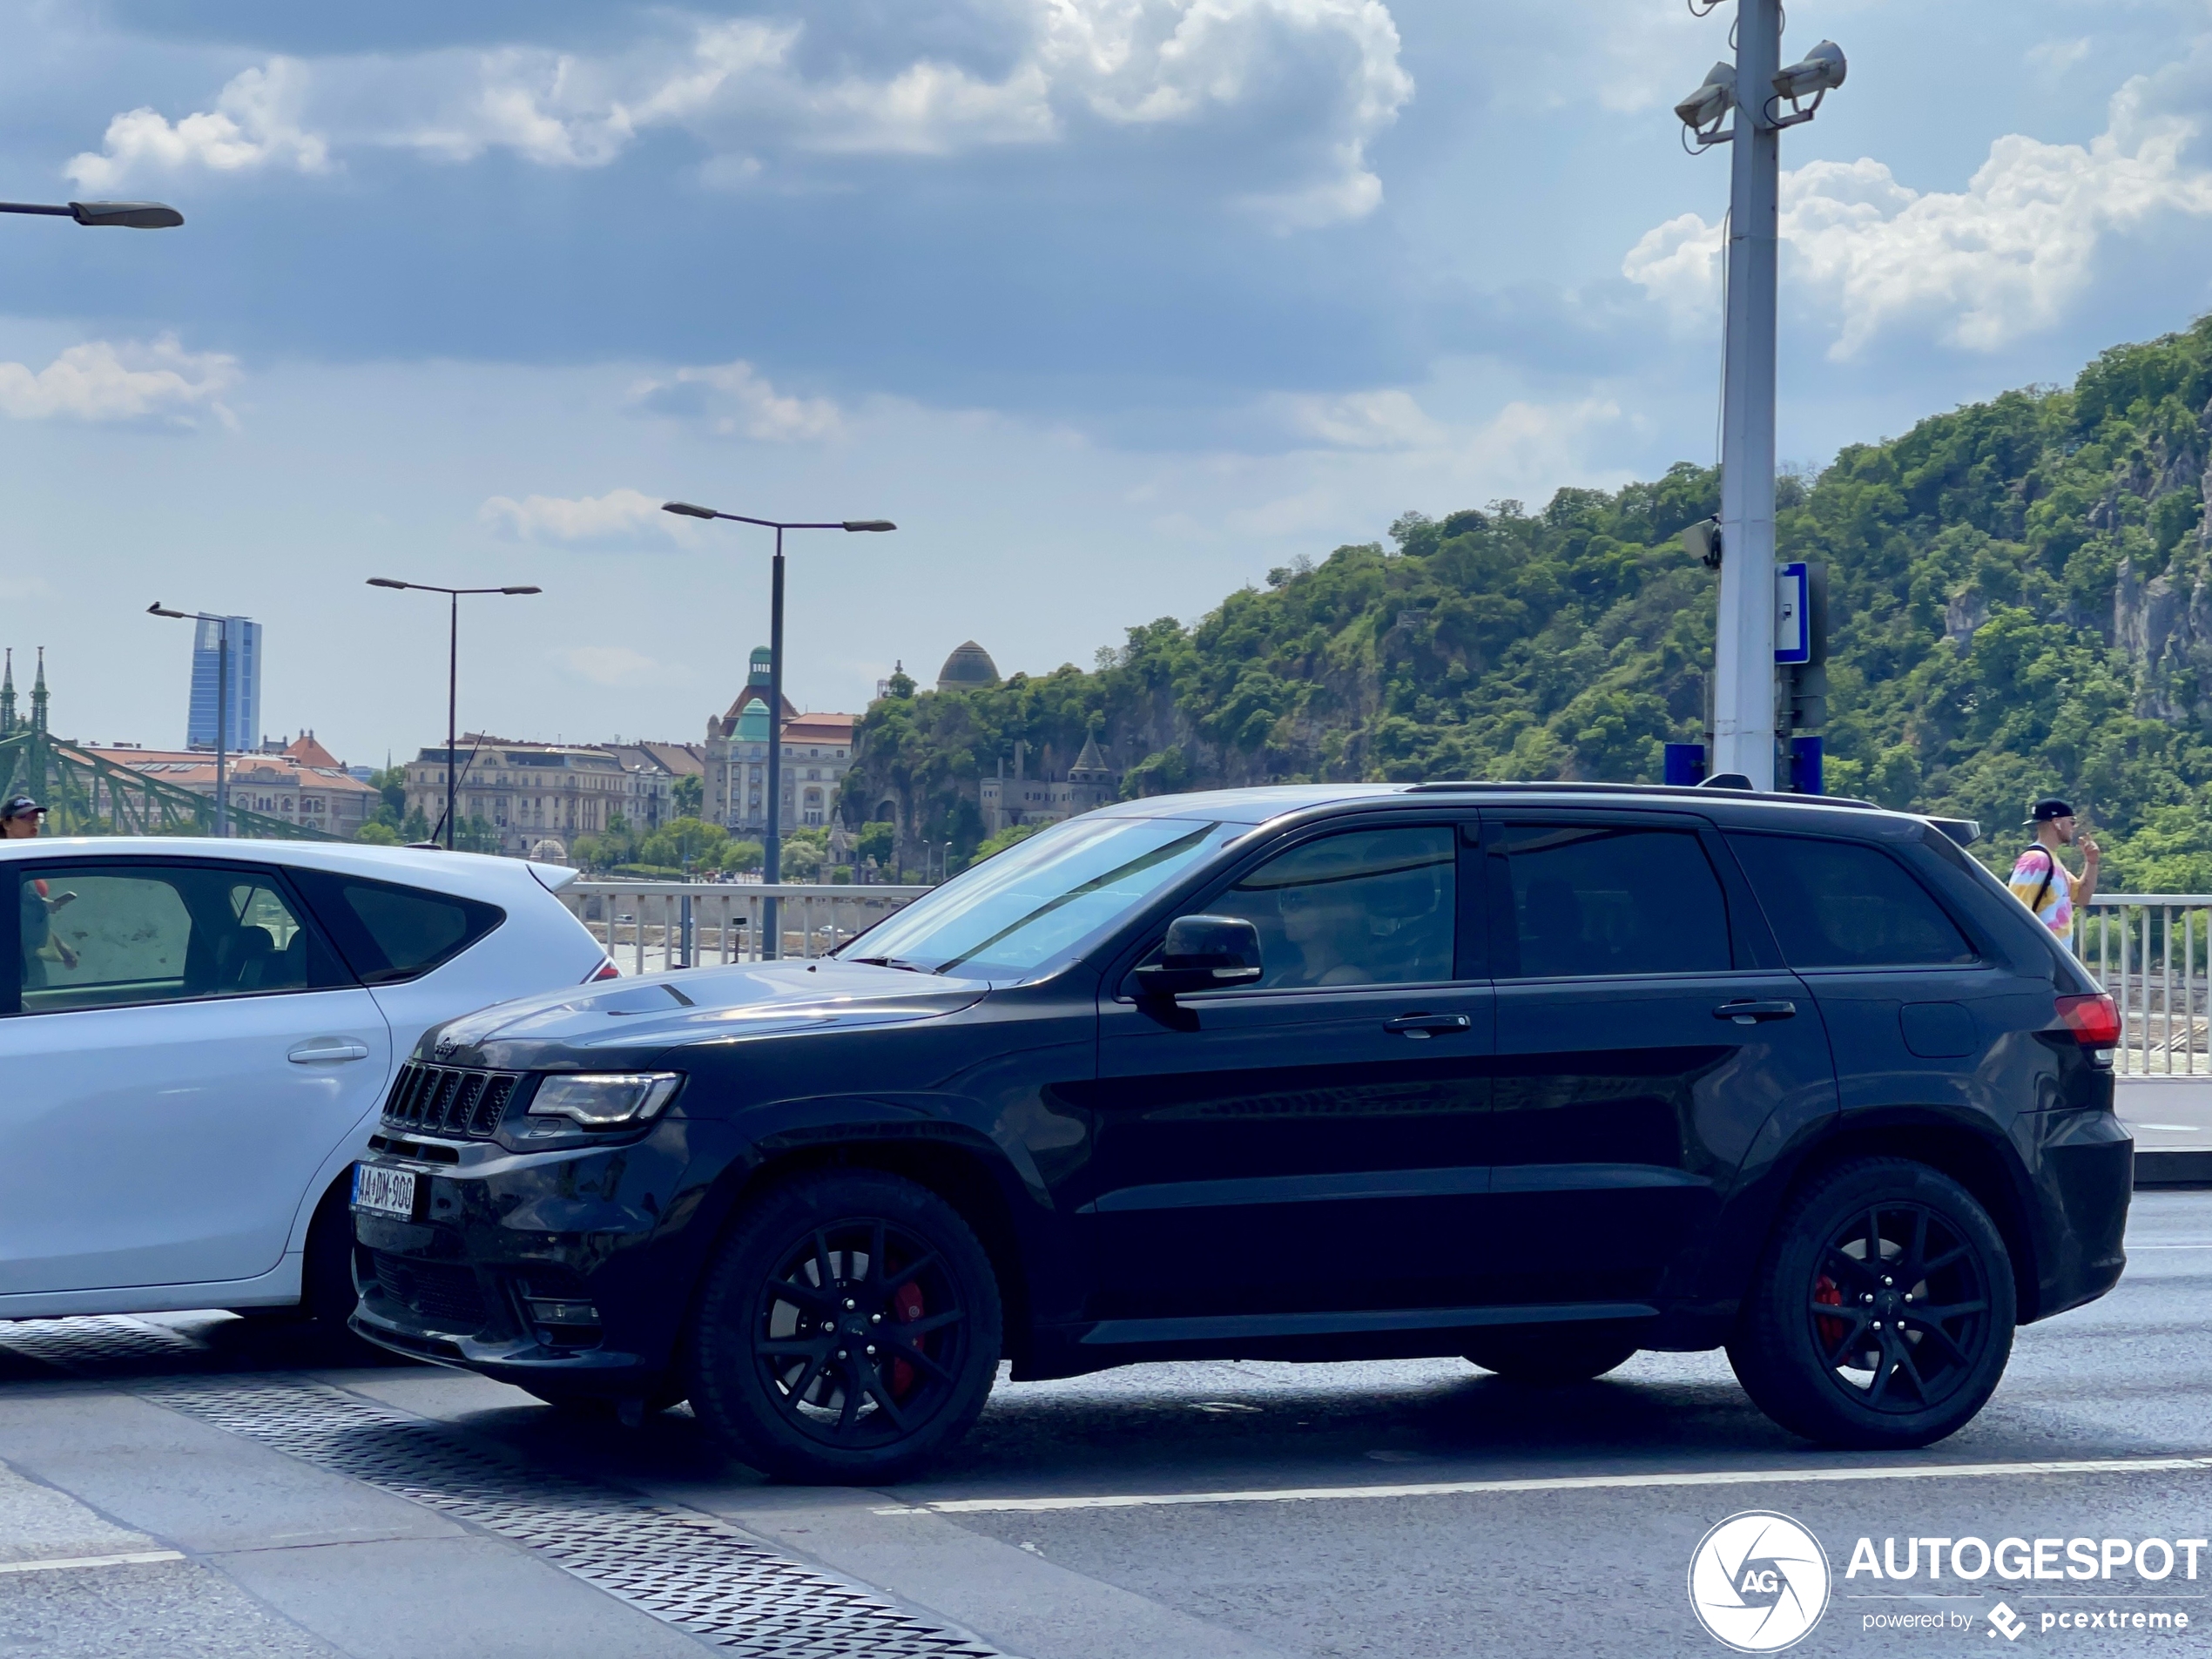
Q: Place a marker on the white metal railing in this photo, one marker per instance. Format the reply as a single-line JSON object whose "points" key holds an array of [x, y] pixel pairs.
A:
{"points": [[2148, 950], [648, 925]]}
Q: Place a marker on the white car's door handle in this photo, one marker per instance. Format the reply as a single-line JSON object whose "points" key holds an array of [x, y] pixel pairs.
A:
{"points": [[325, 1050]]}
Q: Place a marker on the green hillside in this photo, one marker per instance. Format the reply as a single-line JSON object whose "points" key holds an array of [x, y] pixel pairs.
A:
{"points": [[2020, 605]]}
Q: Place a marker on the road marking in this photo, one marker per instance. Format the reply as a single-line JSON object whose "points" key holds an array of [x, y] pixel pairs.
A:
{"points": [[130, 1558], [1567, 1483]]}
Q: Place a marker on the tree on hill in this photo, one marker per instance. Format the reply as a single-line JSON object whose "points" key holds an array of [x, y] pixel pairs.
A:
{"points": [[2020, 599]]}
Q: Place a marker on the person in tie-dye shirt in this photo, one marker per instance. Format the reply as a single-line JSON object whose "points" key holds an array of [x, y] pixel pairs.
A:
{"points": [[2041, 882]]}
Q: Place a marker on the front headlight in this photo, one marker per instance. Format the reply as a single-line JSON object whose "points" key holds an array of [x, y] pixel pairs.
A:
{"points": [[599, 1100]]}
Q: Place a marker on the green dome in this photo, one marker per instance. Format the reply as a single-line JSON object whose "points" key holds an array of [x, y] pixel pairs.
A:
{"points": [[969, 667]]}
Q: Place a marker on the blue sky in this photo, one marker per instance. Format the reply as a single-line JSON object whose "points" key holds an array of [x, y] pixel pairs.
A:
{"points": [[1113, 305]]}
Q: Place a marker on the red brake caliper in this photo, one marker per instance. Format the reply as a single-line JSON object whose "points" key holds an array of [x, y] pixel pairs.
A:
{"points": [[1829, 1294], [906, 1307]]}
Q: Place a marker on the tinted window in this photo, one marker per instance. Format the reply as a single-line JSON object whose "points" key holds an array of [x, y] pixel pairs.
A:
{"points": [[1042, 901], [1593, 899], [1845, 904], [391, 932], [110, 937], [1365, 907]]}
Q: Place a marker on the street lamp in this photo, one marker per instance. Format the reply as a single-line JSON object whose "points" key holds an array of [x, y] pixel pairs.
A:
{"points": [[222, 702], [453, 673], [771, 849], [1754, 89], [135, 216]]}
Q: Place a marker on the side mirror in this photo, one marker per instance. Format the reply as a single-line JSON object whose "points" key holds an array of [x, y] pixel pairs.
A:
{"points": [[1202, 954]]}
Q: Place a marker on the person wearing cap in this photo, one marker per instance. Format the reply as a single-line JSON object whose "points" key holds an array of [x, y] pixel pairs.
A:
{"points": [[19, 819], [2041, 882]]}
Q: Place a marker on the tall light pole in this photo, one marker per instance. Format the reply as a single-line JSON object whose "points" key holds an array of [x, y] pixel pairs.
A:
{"points": [[453, 674], [771, 848], [1754, 89], [222, 702]]}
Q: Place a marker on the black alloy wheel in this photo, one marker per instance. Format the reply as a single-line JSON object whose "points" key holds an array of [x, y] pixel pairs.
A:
{"points": [[1883, 1315], [848, 1331], [1545, 1355]]}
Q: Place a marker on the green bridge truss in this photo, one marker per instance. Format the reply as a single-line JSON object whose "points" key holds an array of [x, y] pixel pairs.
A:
{"points": [[85, 795]]}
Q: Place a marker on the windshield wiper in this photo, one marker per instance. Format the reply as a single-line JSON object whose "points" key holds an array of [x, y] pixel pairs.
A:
{"points": [[893, 962]]}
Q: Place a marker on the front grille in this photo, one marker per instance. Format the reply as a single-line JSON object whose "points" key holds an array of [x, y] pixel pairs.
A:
{"points": [[446, 1298], [450, 1099]]}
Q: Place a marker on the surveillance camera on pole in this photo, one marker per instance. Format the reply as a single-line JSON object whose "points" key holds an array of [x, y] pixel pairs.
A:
{"points": [[1743, 718]]}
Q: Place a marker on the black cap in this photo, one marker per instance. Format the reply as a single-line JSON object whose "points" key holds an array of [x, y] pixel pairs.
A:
{"points": [[2048, 808], [16, 805]]}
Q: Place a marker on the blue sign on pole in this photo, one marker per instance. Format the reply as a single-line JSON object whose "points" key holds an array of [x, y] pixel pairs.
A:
{"points": [[1792, 615]]}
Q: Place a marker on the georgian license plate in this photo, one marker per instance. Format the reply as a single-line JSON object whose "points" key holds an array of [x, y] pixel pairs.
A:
{"points": [[384, 1193]]}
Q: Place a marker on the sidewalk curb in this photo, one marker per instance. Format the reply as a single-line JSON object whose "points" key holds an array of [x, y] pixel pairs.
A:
{"points": [[2169, 1169]]}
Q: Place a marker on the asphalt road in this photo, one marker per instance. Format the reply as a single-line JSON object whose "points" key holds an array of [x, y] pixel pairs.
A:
{"points": [[240, 1489]]}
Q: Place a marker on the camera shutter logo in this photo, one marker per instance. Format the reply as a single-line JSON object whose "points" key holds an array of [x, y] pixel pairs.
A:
{"points": [[1758, 1581]]}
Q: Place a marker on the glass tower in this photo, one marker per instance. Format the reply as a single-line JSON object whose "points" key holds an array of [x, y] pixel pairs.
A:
{"points": [[244, 712]]}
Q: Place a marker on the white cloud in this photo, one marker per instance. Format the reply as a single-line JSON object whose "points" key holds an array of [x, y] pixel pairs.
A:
{"points": [[1379, 420], [120, 381], [620, 516], [1533, 448], [1309, 83], [619, 665], [255, 123], [734, 400], [1984, 266], [2054, 57]]}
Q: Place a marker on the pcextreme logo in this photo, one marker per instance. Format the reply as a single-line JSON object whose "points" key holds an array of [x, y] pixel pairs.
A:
{"points": [[1758, 1581]]}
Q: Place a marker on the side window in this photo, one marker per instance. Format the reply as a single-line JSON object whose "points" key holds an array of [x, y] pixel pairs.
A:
{"points": [[1585, 900], [114, 936], [265, 946], [1845, 904], [1364, 907], [392, 933]]}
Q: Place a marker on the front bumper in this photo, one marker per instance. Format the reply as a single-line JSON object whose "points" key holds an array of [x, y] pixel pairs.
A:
{"points": [[547, 1269]]}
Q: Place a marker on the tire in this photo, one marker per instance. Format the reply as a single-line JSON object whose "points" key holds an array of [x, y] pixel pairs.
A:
{"points": [[1945, 1307], [763, 1351], [1547, 1355], [326, 1293]]}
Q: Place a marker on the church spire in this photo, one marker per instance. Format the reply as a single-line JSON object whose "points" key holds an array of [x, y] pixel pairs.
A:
{"points": [[38, 696], [7, 695]]}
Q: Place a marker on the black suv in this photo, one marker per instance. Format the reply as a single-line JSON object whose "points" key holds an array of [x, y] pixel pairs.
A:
{"points": [[1538, 1074]]}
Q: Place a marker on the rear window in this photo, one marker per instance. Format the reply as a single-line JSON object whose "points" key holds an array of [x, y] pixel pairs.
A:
{"points": [[391, 933], [1594, 901], [1845, 904]]}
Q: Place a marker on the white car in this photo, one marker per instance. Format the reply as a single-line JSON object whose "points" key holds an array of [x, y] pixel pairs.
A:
{"points": [[196, 1036]]}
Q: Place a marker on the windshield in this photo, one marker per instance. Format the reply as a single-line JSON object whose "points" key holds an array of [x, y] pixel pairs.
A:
{"points": [[1042, 900]]}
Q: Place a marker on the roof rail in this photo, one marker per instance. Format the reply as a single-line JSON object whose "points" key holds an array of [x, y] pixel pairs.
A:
{"points": [[1693, 792]]}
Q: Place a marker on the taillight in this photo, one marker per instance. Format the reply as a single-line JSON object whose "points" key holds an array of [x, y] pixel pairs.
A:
{"points": [[2094, 1019], [605, 970]]}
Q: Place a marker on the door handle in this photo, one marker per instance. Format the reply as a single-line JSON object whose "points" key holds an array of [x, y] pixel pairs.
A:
{"points": [[324, 1050], [1746, 1011], [1421, 1027]]}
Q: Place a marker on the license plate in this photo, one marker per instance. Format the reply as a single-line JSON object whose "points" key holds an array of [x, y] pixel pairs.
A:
{"points": [[384, 1193]]}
